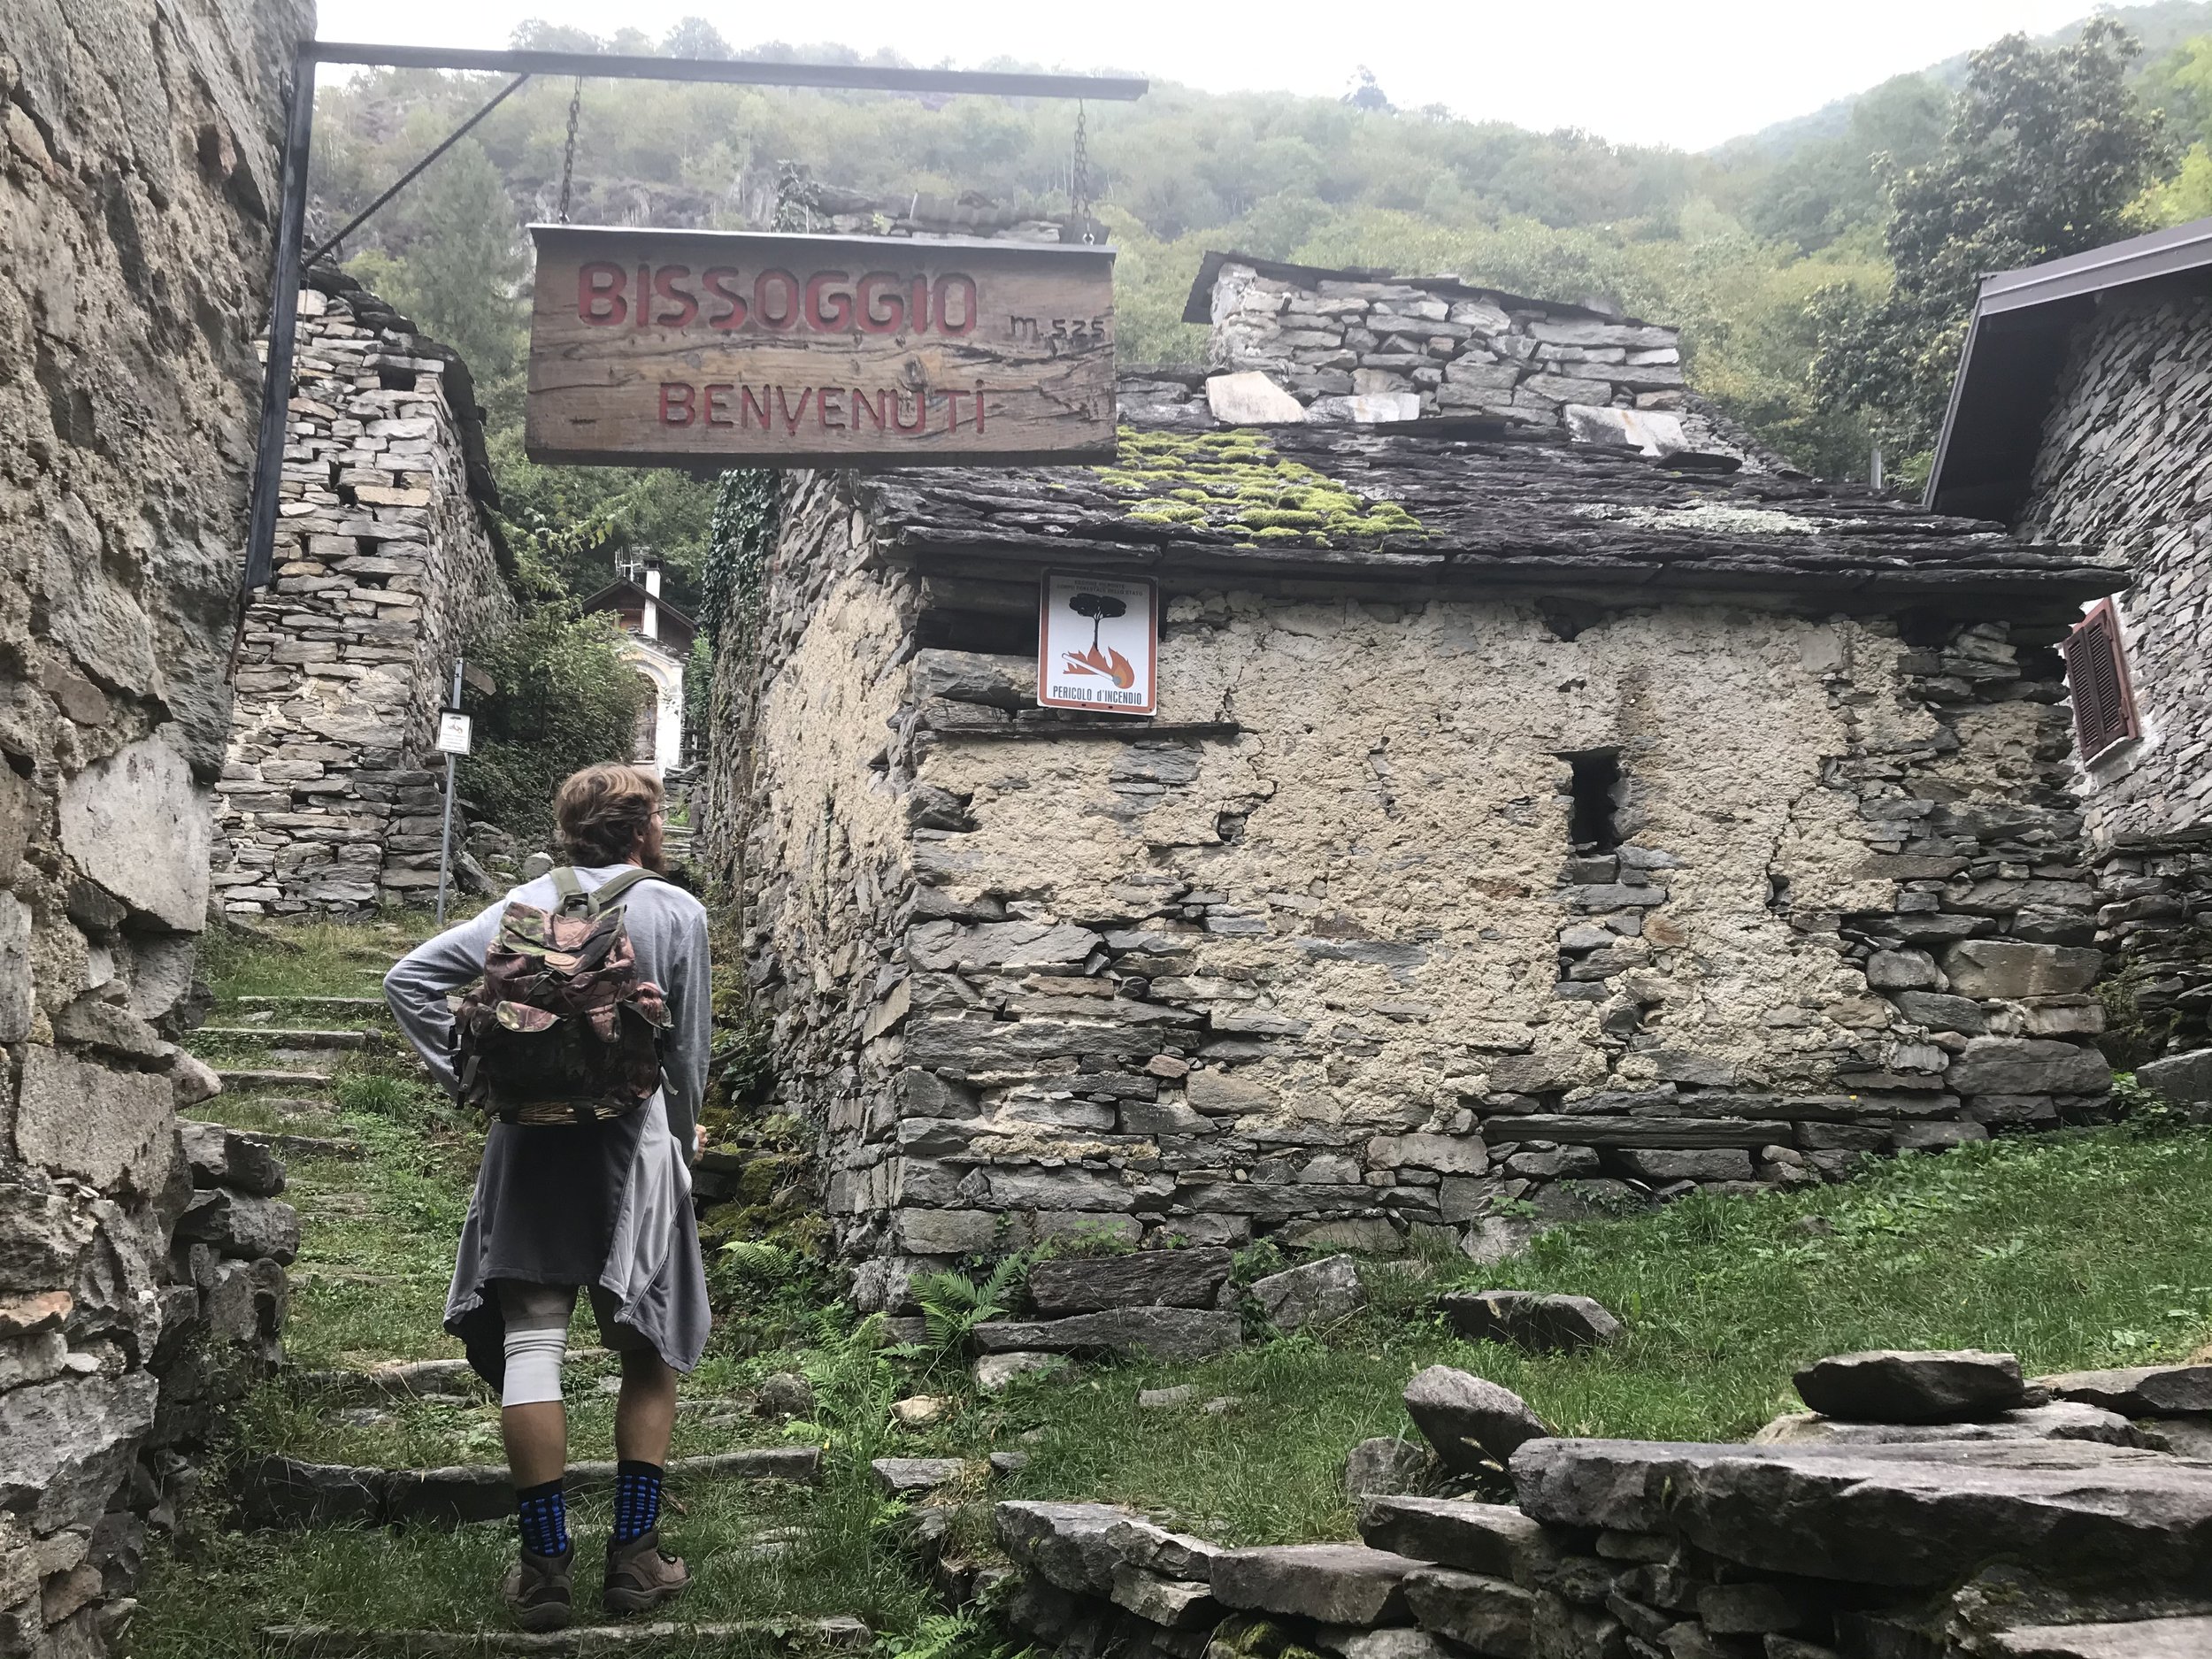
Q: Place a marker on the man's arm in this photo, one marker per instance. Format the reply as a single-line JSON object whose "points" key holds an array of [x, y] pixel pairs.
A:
{"points": [[690, 1033], [420, 983]]}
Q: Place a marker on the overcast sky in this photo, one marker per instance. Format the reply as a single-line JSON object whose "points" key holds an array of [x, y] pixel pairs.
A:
{"points": [[1690, 73]]}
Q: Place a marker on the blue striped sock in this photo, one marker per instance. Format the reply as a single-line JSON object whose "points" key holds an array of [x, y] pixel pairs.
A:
{"points": [[637, 1499], [541, 1512]]}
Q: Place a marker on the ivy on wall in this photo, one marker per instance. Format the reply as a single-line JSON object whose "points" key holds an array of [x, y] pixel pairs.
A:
{"points": [[736, 571]]}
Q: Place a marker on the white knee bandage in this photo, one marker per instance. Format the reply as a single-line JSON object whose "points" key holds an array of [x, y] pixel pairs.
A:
{"points": [[535, 1344]]}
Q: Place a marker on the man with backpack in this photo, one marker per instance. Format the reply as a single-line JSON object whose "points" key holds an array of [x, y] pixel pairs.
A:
{"points": [[585, 1046]]}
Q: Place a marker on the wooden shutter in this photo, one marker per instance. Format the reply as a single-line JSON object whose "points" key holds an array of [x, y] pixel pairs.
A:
{"points": [[2097, 672]]}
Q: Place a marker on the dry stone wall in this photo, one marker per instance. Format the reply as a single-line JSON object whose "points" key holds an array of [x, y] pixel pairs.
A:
{"points": [[387, 561], [1318, 952], [2119, 469], [1443, 346], [137, 179]]}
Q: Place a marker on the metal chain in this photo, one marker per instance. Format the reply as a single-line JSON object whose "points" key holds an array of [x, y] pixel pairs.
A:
{"points": [[568, 155], [1079, 175]]}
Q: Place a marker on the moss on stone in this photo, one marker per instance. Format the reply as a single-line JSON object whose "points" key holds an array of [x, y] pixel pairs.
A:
{"points": [[1236, 481]]}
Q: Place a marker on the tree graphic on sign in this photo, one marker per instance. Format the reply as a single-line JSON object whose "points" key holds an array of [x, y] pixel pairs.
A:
{"points": [[1108, 662]]}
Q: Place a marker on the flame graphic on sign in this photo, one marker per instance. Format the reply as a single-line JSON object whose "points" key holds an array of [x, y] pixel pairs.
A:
{"points": [[1108, 662]]}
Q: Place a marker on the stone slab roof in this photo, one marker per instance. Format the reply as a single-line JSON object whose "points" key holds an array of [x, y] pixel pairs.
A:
{"points": [[1466, 501]]}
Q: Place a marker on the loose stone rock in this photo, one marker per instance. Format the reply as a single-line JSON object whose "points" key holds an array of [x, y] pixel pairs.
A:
{"points": [[1333, 1583], [1147, 1278], [1492, 1539], [1536, 1323], [1470, 1420], [1166, 1333], [1491, 1616], [2061, 1420], [1896, 1386], [1314, 1291], [995, 1373], [1065, 1544], [1388, 1467], [900, 1475], [2138, 1391]]}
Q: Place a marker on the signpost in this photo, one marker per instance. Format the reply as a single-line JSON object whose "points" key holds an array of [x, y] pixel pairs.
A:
{"points": [[453, 741], [659, 348], [1098, 642]]}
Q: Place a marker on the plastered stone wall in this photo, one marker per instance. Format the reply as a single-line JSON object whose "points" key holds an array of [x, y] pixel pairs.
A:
{"points": [[1316, 952], [388, 563], [137, 175], [2122, 468]]}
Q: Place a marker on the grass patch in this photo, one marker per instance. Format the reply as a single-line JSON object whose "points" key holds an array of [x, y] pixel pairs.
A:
{"points": [[2072, 1251]]}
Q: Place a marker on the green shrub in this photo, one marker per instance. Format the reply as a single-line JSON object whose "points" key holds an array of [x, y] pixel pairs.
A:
{"points": [[566, 699]]}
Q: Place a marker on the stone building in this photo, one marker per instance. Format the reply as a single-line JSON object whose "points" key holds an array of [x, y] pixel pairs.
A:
{"points": [[659, 649], [1529, 825], [138, 180], [388, 561], [2079, 417]]}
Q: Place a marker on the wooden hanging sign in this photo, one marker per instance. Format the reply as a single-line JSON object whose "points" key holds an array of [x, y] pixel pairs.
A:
{"points": [[667, 348]]}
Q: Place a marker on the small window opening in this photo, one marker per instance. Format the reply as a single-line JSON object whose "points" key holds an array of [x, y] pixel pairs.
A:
{"points": [[1593, 823], [395, 380]]}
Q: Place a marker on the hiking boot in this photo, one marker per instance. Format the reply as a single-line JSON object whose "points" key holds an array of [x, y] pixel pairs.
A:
{"points": [[641, 1576], [537, 1590]]}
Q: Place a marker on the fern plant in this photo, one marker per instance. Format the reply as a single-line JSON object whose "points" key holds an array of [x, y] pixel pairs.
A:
{"points": [[953, 1305]]}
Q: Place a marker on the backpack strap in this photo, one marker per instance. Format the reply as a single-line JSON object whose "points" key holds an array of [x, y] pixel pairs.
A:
{"points": [[572, 892], [603, 897]]}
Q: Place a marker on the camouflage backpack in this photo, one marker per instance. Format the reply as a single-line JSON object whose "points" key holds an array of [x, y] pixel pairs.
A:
{"points": [[562, 1030]]}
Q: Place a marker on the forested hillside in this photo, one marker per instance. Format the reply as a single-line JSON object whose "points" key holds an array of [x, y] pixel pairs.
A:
{"points": [[1777, 259]]}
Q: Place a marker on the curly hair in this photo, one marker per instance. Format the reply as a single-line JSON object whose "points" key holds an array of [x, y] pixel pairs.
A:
{"points": [[601, 811]]}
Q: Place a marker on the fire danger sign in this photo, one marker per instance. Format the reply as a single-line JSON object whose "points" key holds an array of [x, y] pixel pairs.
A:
{"points": [[1098, 643]]}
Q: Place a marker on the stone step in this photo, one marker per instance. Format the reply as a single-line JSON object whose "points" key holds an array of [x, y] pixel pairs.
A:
{"points": [[241, 1079], [369, 1005], [292, 1037], [319, 1147], [399, 1379], [283, 1491], [330, 1641]]}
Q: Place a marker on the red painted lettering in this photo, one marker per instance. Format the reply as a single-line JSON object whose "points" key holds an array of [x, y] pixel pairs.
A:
{"points": [[781, 317], [792, 417], [952, 410], [880, 313], [899, 422], [978, 409], [678, 404], [666, 281], [718, 279], [641, 312], [827, 313], [599, 300], [829, 408], [719, 406], [751, 406], [919, 308], [947, 287], [877, 411]]}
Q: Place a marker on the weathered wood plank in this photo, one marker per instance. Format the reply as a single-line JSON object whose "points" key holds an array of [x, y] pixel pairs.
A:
{"points": [[684, 347]]}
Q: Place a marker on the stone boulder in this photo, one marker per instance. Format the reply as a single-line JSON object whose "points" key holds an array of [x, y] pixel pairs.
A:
{"points": [[1386, 1467], [1897, 1386], [1179, 1334], [995, 1373], [1155, 1549], [1064, 1544], [1491, 1616], [98, 1126], [2027, 1065], [1312, 1293], [1899, 1516], [1143, 1279], [250, 1228], [2138, 1391], [1492, 1539], [2008, 968], [900, 1477], [136, 824], [1468, 1420], [65, 1445], [1332, 1584], [2061, 1420], [1525, 1320], [2183, 1080], [224, 1157]]}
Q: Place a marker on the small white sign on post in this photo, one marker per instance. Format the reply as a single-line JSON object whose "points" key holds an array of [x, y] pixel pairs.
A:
{"points": [[453, 732], [1098, 643]]}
